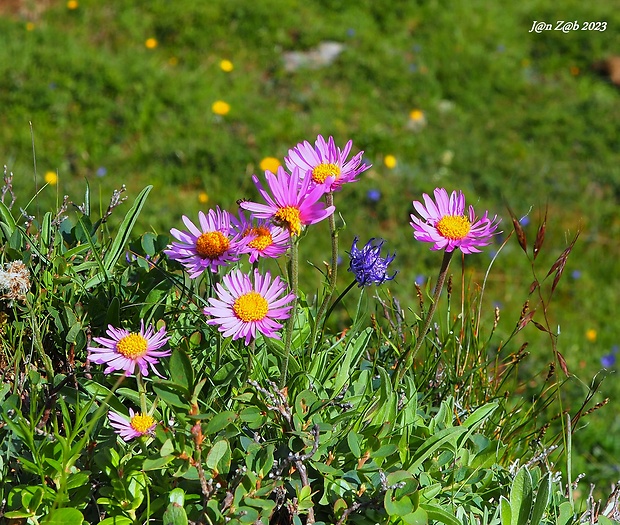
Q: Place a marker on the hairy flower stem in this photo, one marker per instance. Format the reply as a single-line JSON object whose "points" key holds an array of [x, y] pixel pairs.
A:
{"points": [[407, 360], [333, 271], [290, 323], [141, 392]]}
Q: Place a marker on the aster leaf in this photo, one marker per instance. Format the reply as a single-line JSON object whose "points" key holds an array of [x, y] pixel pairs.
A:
{"points": [[7, 220], [181, 371]]}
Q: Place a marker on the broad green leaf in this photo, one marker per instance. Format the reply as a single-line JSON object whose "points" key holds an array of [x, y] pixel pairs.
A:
{"points": [[181, 371], [219, 422], [438, 514], [216, 453], [354, 444], [505, 512], [521, 497], [480, 415], [65, 516], [175, 513], [7, 218], [542, 498], [418, 517], [170, 394], [447, 435], [116, 520], [397, 507], [566, 513]]}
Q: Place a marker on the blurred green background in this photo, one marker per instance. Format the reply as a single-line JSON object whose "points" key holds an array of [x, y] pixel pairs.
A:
{"points": [[438, 93]]}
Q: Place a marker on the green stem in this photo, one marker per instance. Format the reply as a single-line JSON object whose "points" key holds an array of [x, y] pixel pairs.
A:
{"points": [[290, 323], [333, 272], [336, 302], [141, 392], [407, 360]]}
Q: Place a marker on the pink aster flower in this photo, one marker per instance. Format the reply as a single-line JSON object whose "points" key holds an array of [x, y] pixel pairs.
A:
{"points": [[243, 308], [125, 350], [211, 245], [294, 203], [325, 163], [265, 239], [137, 425], [446, 224]]}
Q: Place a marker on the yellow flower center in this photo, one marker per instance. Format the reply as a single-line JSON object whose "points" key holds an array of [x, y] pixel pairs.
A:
{"points": [[141, 423], [263, 238], [251, 306], [454, 227], [132, 346], [322, 171], [289, 216], [212, 245]]}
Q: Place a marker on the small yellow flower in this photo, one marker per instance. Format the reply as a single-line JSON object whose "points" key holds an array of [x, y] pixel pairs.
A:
{"points": [[416, 115], [220, 107], [226, 66], [591, 335], [29, 26], [390, 161], [203, 197], [270, 163], [72, 4], [51, 178], [151, 43]]}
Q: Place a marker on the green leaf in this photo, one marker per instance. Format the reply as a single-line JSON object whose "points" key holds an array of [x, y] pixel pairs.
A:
{"points": [[505, 511], [419, 517], [219, 422], [566, 514], [65, 516], [521, 497], [438, 440], [542, 498], [170, 394], [438, 514], [354, 444], [216, 453], [157, 463], [114, 253], [175, 513], [181, 371], [116, 520], [354, 351], [397, 507], [124, 230], [480, 415], [7, 219]]}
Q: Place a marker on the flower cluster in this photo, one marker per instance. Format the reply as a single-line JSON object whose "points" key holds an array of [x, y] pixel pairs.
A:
{"points": [[367, 264], [246, 305]]}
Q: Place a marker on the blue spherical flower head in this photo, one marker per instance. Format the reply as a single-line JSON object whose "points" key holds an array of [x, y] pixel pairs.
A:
{"points": [[367, 264]]}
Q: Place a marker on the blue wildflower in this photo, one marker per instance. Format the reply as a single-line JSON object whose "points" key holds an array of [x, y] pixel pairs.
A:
{"points": [[609, 360], [373, 195], [101, 171], [367, 264], [576, 274], [420, 279]]}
